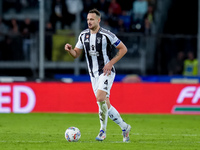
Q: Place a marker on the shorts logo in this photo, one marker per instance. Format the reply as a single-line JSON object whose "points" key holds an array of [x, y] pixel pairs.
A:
{"points": [[106, 83]]}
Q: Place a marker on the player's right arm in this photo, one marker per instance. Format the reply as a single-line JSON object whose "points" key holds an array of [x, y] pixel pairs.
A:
{"points": [[76, 52]]}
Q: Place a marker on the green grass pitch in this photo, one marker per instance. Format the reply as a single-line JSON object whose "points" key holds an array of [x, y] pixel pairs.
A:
{"points": [[45, 131]]}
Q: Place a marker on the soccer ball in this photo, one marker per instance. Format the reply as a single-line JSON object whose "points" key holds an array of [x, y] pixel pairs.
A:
{"points": [[72, 134]]}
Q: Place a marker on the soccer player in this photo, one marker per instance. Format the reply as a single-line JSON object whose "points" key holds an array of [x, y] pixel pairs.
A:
{"points": [[96, 42]]}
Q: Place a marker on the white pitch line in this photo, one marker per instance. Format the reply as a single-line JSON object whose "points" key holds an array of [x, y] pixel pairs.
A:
{"points": [[100, 141], [152, 134], [28, 141], [147, 142]]}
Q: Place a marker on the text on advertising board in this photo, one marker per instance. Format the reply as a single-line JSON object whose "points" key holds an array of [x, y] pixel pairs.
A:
{"points": [[10, 99]]}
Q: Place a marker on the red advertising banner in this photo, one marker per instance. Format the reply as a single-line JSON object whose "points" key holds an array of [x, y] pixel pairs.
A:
{"points": [[79, 98]]}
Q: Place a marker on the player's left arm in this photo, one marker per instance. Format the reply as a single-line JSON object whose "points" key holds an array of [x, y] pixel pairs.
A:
{"points": [[122, 50]]}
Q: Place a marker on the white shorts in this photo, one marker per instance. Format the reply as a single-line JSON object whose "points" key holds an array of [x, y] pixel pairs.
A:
{"points": [[103, 83]]}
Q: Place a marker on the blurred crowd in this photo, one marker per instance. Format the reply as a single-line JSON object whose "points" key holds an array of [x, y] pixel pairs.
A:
{"points": [[15, 39], [183, 64], [117, 16], [15, 34]]}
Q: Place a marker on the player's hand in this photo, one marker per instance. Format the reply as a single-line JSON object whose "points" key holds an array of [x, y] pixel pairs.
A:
{"points": [[68, 47], [107, 69]]}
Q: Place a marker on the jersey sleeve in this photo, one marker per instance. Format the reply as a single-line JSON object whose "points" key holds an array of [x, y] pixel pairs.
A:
{"points": [[115, 40], [79, 44]]}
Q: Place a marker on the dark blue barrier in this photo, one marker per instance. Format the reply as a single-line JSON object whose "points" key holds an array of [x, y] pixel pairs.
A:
{"points": [[119, 78]]}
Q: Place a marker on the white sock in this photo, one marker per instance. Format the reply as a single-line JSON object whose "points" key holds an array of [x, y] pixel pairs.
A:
{"points": [[103, 115], [115, 116]]}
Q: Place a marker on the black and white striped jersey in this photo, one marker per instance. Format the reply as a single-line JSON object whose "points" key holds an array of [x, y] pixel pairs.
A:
{"points": [[97, 49]]}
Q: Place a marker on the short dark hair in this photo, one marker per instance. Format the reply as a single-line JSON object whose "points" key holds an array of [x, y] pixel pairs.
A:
{"points": [[96, 12]]}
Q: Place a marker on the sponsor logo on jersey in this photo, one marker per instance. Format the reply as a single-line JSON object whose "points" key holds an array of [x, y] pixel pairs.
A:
{"points": [[92, 47], [93, 53]]}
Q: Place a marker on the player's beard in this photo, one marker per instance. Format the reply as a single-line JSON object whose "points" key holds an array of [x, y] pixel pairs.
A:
{"points": [[93, 28]]}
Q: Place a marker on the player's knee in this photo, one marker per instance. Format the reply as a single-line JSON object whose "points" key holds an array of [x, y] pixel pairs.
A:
{"points": [[100, 99]]}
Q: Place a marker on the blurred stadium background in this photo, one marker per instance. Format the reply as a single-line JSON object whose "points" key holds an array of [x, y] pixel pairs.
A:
{"points": [[33, 34], [34, 69]]}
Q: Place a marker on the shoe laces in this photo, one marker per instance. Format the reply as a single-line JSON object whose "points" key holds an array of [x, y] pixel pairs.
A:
{"points": [[101, 133]]}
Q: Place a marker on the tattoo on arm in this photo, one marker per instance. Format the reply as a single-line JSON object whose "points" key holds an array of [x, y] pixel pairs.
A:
{"points": [[117, 54]]}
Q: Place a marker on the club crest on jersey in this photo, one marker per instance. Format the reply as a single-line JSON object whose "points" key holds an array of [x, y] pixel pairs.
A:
{"points": [[87, 36], [98, 40]]}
